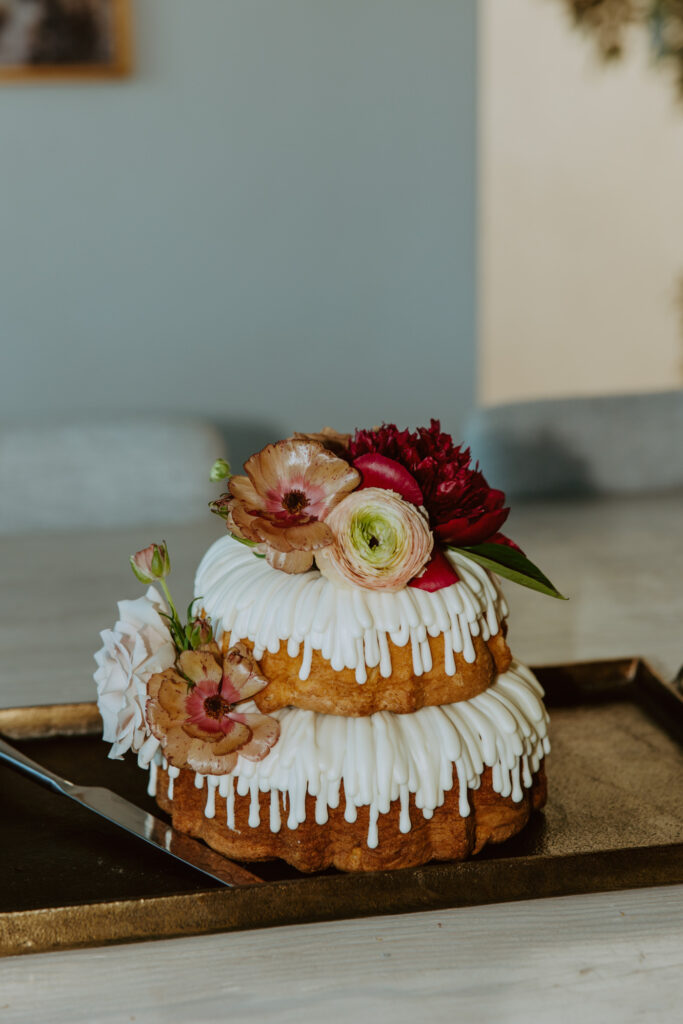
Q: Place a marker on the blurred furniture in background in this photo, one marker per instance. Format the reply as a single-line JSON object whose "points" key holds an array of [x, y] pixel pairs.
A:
{"points": [[616, 444], [94, 474]]}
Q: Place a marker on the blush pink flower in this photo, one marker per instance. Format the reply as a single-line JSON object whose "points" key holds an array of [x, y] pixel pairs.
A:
{"points": [[289, 489], [380, 541], [196, 711], [151, 563]]}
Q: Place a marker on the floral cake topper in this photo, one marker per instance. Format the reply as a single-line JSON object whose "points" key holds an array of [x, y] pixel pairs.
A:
{"points": [[378, 509]]}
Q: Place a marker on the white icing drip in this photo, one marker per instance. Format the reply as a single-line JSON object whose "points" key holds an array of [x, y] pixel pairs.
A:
{"points": [[321, 807], [350, 627], [386, 757], [173, 774], [254, 815], [373, 835], [152, 783], [275, 821], [404, 816], [212, 784], [230, 804]]}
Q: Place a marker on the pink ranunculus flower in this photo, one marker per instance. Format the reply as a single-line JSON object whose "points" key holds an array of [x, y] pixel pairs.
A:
{"points": [[202, 713], [282, 501], [380, 541]]}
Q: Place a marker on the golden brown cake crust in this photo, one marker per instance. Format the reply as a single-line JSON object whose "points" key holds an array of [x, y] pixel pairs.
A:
{"points": [[338, 693], [312, 847]]}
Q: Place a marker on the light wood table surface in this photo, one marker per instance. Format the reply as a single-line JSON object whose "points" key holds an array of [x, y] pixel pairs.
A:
{"points": [[595, 958]]}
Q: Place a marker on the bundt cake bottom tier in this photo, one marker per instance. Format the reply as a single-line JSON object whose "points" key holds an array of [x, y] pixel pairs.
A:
{"points": [[446, 835]]}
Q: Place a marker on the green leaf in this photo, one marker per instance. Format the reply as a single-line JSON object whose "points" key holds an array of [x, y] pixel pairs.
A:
{"points": [[243, 540], [512, 564], [177, 632], [248, 544]]}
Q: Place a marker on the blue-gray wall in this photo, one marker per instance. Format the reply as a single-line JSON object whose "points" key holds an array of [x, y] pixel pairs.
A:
{"points": [[271, 223]]}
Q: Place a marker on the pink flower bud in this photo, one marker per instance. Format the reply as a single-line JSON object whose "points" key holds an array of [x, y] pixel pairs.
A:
{"points": [[199, 632], [151, 563]]}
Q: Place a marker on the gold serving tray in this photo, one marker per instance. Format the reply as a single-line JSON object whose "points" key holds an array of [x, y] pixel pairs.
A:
{"points": [[614, 820]]}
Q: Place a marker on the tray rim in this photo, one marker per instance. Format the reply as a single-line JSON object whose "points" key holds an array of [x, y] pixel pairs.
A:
{"points": [[435, 886], [41, 721]]}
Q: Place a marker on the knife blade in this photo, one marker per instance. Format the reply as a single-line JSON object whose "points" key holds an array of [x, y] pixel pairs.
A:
{"points": [[133, 819]]}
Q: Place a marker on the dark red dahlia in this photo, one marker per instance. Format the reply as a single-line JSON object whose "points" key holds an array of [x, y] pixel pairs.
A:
{"points": [[463, 509]]}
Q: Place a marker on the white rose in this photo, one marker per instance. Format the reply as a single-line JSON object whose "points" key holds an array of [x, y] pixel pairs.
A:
{"points": [[136, 648]]}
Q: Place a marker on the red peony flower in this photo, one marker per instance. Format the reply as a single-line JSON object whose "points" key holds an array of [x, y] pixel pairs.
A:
{"points": [[463, 509]]}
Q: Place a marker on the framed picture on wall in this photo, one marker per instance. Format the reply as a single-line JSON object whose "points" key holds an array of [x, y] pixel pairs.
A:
{"points": [[63, 39]]}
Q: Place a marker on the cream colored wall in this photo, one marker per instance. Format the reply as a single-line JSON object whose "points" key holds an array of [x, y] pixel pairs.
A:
{"points": [[581, 212]]}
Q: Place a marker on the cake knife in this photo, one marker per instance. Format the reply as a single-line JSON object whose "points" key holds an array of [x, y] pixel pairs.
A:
{"points": [[133, 819]]}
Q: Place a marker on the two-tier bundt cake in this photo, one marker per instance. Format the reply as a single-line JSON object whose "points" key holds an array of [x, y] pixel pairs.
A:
{"points": [[345, 695]]}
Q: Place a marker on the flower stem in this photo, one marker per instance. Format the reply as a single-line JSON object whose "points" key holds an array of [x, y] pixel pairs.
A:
{"points": [[177, 628], [167, 594]]}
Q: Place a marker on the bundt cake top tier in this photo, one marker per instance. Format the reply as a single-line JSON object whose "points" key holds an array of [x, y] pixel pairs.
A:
{"points": [[350, 627]]}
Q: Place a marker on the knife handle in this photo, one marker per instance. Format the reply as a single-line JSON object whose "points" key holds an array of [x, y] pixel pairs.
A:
{"points": [[15, 759]]}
